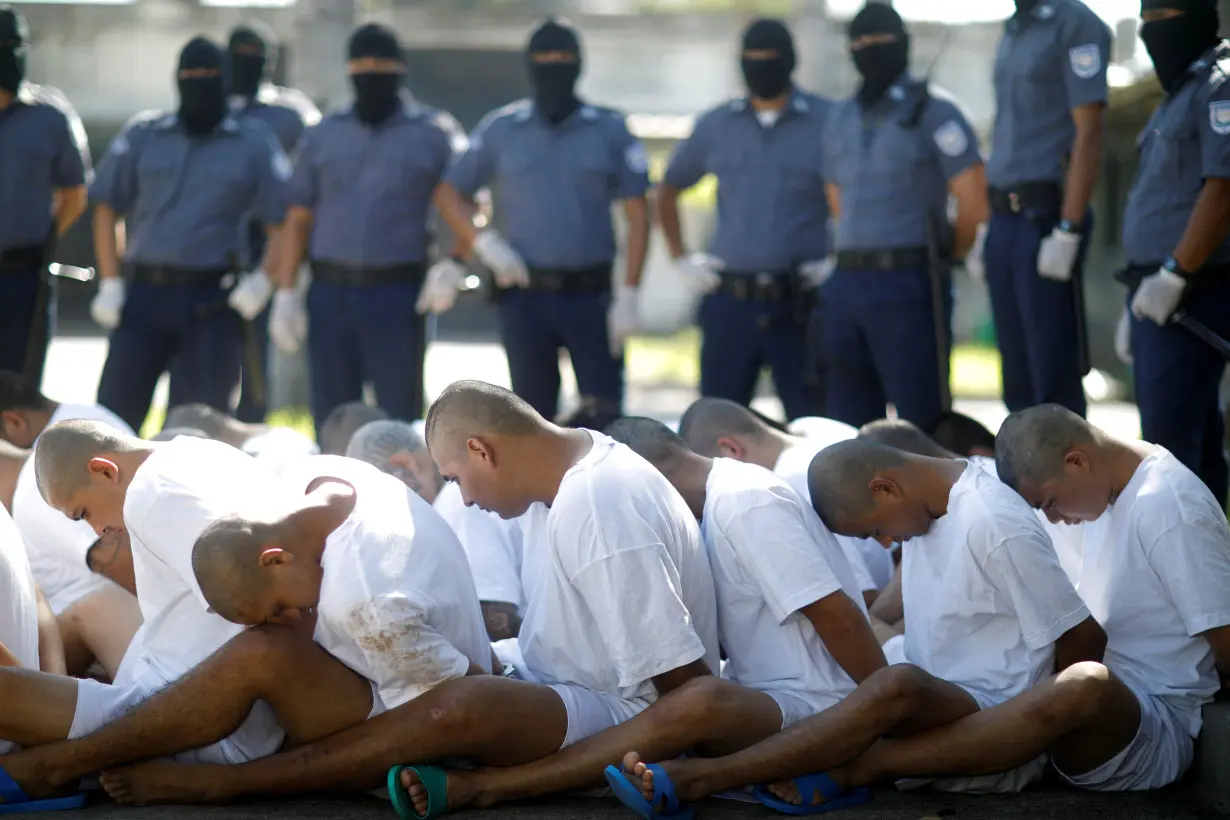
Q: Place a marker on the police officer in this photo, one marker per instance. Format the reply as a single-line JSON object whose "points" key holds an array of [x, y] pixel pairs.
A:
{"points": [[892, 156], [558, 164], [44, 163], [1046, 148], [771, 238], [252, 55], [359, 207], [1175, 237], [184, 183]]}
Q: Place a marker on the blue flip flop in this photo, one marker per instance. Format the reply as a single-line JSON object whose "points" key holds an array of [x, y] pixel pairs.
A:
{"points": [[17, 802], [663, 795], [834, 798], [433, 778]]}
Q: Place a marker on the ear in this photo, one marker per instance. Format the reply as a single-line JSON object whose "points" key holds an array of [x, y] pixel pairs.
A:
{"points": [[103, 467], [481, 449], [882, 488], [1077, 461], [11, 422], [275, 557], [728, 447]]}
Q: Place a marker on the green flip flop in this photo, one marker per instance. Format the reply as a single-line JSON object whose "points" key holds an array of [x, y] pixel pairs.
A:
{"points": [[433, 778]]}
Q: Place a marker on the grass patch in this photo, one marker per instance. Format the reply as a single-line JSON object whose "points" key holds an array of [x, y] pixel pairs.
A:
{"points": [[296, 418]]}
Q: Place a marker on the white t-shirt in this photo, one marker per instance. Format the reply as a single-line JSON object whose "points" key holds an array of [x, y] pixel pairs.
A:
{"points": [[397, 601], [18, 604], [772, 557], [1156, 575], [622, 591], [985, 598], [792, 465], [56, 544], [830, 431], [492, 546], [281, 447]]}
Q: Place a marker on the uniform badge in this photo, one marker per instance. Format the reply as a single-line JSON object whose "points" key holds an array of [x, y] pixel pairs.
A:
{"points": [[636, 159], [1219, 117], [120, 146], [281, 166], [1086, 61], [951, 139]]}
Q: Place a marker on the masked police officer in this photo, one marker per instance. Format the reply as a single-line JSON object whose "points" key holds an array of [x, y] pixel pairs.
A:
{"points": [[771, 241], [1175, 237], [360, 201], [892, 156], [252, 55], [558, 164], [44, 162], [1046, 151], [183, 183]]}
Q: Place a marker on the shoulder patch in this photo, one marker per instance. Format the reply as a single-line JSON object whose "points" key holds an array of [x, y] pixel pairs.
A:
{"points": [[280, 163], [950, 139], [636, 158], [120, 146], [1086, 60], [1219, 117]]}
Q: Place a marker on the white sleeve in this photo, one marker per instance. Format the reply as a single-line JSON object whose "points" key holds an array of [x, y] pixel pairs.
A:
{"points": [[862, 575], [1026, 571], [1192, 561], [175, 520], [491, 558], [780, 556]]}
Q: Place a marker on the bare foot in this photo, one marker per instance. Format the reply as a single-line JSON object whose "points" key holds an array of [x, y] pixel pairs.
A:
{"points": [[639, 773], [161, 781], [787, 792], [459, 790]]}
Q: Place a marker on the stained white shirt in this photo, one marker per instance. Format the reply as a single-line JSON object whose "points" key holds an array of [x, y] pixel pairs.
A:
{"points": [[492, 546]]}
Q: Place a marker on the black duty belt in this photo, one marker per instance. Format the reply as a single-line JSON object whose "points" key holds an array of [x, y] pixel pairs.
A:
{"points": [[887, 259], [596, 279], [168, 277], [1028, 196], [1133, 275], [21, 260], [760, 286], [335, 274]]}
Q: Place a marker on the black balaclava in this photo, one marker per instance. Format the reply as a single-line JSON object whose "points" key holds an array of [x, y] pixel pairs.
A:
{"points": [[252, 53], [881, 64], [14, 37], [202, 100], [555, 83], [376, 93], [1025, 6], [1174, 44], [768, 79]]}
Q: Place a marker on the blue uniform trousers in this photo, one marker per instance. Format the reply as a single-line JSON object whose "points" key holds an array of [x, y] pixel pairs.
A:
{"points": [[186, 330], [1035, 318], [1178, 378], [742, 336], [361, 334], [880, 345], [535, 324], [250, 409], [23, 335]]}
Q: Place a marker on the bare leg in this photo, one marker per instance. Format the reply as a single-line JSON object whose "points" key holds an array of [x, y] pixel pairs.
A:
{"points": [[50, 643], [103, 623], [207, 705], [491, 720], [38, 707]]}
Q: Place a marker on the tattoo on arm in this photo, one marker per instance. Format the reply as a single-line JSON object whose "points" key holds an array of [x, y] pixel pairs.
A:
{"points": [[501, 619]]}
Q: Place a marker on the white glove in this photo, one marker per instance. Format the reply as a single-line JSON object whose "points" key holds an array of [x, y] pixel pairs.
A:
{"points": [[108, 303], [624, 317], [1057, 255], [975, 265], [1123, 337], [816, 272], [700, 271], [1158, 296], [508, 267], [249, 297], [439, 291], [288, 321]]}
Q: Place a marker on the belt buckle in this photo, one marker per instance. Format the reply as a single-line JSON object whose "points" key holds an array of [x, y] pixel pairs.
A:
{"points": [[1014, 202]]}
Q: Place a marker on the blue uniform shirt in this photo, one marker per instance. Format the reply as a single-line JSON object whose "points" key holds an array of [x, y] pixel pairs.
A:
{"points": [[42, 148], [1185, 142], [287, 112], [183, 197], [555, 184], [1049, 62], [772, 214], [891, 175], [371, 188]]}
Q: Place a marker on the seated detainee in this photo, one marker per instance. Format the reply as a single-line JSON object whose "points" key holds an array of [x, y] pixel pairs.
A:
{"points": [[342, 423], [626, 613], [989, 614], [719, 428], [279, 446], [961, 434], [492, 545]]}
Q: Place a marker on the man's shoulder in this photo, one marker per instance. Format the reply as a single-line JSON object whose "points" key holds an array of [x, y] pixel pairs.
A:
{"points": [[741, 489], [291, 100], [48, 100], [508, 116]]}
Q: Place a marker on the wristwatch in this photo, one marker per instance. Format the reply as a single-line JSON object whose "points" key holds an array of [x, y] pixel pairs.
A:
{"points": [[1174, 267], [1068, 226]]}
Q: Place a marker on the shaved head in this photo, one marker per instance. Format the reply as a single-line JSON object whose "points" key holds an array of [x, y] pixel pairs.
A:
{"points": [[963, 435], [709, 419], [65, 449], [1033, 444], [211, 422], [839, 479], [903, 435], [226, 562], [473, 409], [343, 422], [650, 439], [170, 433]]}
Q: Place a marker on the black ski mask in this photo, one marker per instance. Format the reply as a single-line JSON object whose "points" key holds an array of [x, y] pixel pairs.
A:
{"points": [[1025, 6], [14, 38], [202, 100], [768, 79], [555, 83], [882, 64], [1177, 42], [377, 94], [252, 52]]}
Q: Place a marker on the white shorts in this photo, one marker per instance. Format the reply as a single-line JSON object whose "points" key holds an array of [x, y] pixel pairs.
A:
{"points": [[590, 712], [1159, 754], [100, 703], [795, 707]]}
